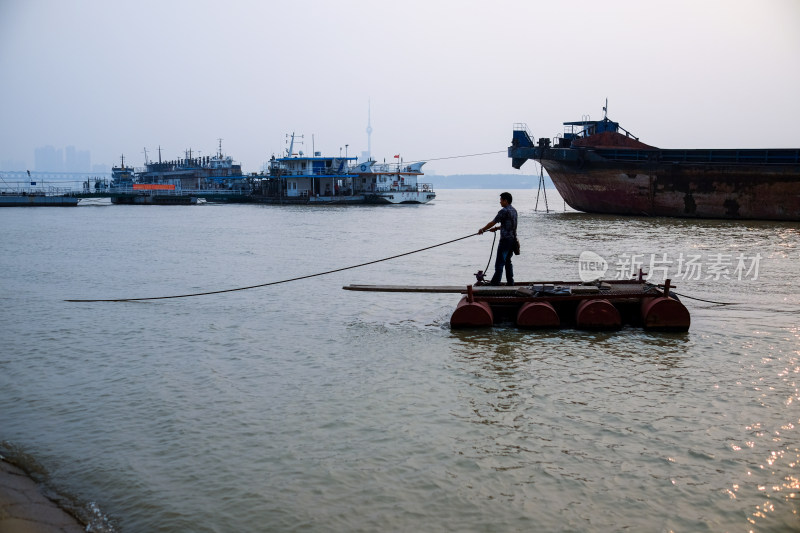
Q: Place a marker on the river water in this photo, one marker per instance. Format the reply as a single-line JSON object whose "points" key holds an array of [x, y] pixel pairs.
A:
{"points": [[301, 406]]}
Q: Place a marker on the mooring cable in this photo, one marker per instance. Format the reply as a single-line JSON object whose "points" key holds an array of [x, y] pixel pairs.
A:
{"points": [[272, 282], [654, 286], [706, 301], [456, 157], [490, 254], [732, 303]]}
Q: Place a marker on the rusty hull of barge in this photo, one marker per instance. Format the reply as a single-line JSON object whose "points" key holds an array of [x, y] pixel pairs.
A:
{"points": [[599, 170]]}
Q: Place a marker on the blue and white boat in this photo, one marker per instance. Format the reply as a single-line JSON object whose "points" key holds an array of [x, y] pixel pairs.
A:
{"points": [[318, 179], [313, 179]]}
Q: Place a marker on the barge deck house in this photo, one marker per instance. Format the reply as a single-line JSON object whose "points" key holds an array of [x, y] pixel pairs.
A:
{"points": [[297, 178], [122, 176], [316, 179]]}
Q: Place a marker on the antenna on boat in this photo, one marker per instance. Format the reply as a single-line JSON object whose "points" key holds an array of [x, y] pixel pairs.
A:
{"points": [[220, 148], [145, 156], [605, 110], [291, 145], [159, 153]]}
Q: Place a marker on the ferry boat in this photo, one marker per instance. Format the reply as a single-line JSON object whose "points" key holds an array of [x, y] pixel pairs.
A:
{"points": [[392, 183], [598, 169]]}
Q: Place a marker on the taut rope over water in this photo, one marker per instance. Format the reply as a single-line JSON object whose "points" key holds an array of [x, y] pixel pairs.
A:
{"points": [[273, 282], [706, 301]]}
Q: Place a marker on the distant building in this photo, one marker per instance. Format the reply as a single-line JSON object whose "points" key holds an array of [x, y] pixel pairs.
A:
{"points": [[76, 160], [50, 159]]}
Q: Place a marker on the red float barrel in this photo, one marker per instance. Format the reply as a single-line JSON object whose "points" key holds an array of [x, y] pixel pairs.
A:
{"points": [[471, 315], [664, 314], [597, 314], [537, 315]]}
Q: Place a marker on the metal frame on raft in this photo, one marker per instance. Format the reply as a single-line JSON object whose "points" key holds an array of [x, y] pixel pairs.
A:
{"points": [[601, 305]]}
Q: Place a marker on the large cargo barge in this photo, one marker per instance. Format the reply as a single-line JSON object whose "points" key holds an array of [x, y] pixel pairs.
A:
{"points": [[209, 173], [179, 182], [597, 168]]}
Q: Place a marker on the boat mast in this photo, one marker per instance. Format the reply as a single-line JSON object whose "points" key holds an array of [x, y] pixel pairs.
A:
{"points": [[290, 150]]}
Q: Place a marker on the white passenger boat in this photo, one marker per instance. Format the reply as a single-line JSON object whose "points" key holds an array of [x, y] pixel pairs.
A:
{"points": [[391, 183]]}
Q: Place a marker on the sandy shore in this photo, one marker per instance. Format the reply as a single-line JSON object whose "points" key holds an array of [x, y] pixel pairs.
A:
{"points": [[24, 509]]}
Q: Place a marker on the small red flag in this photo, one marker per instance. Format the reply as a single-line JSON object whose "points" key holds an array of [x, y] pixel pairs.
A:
{"points": [[398, 155]]}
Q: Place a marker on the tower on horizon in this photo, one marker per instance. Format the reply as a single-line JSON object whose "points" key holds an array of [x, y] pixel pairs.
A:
{"points": [[369, 130]]}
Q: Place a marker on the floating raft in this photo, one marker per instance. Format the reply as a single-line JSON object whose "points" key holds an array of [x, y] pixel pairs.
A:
{"points": [[553, 304]]}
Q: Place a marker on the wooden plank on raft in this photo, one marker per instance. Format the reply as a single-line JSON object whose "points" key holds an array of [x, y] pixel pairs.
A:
{"points": [[451, 289], [446, 289]]}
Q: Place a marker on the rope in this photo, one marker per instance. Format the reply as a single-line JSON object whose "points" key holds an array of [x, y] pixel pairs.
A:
{"points": [[275, 282], [707, 301], [486, 270], [457, 156], [652, 286], [733, 303]]}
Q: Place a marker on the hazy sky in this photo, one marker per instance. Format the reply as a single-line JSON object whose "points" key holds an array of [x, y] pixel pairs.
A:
{"points": [[445, 78]]}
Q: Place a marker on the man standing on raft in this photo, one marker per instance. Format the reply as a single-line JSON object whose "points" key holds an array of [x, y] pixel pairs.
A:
{"points": [[507, 217]]}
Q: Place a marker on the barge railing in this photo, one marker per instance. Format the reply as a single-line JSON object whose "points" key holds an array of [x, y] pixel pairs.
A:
{"points": [[771, 156]]}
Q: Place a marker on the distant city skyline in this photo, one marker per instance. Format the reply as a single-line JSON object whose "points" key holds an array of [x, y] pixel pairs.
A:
{"points": [[51, 159]]}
